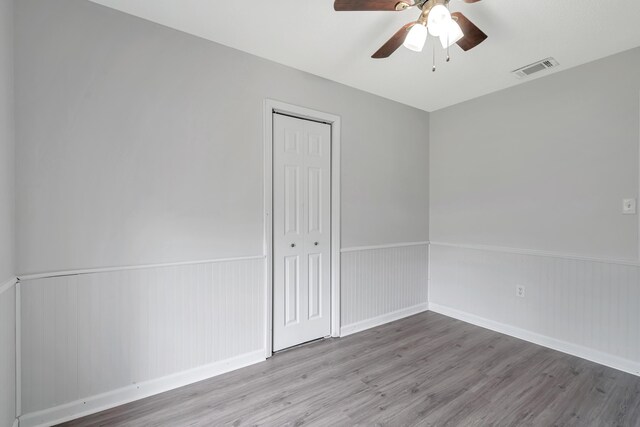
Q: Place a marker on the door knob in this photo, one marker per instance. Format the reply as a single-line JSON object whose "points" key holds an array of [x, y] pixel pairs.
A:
{"points": [[293, 245]]}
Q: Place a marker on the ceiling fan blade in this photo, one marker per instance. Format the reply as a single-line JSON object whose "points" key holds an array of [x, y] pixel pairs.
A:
{"points": [[473, 35], [354, 5], [471, 1], [393, 43]]}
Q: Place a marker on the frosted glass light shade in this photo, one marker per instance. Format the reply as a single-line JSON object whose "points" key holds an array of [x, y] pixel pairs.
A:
{"points": [[416, 38], [450, 34], [437, 20]]}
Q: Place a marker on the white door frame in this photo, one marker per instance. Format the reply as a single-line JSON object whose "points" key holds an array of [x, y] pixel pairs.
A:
{"points": [[271, 106]]}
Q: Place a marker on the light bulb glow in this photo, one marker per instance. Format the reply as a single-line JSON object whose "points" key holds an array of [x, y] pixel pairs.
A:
{"points": [[450, 34], [416, 38], [439, 17]]}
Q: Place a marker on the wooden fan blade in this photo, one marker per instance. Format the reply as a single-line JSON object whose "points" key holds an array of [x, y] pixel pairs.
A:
{"points": [[471, 1], [473, 35], [393, 43], [354, 5]]}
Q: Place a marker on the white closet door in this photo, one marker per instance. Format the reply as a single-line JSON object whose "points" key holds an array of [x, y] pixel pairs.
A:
{"points": [[301, 231]]}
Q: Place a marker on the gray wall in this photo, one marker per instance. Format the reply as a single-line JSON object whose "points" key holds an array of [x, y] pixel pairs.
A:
{"points": [[7, 147], [544, 165], [140, 144], [7, 225]]}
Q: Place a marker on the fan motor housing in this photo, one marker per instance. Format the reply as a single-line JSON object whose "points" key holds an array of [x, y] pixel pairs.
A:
{"points": [[428, 4], [421, 4]]}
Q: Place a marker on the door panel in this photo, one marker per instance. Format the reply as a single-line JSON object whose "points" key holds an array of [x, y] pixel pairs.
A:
{"points": [[315, 280], [315, 200], [291, 289], [301, 231], [292, 203]]}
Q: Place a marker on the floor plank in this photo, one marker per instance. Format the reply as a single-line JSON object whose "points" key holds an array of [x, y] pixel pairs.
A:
{"points": [[425, 370]]}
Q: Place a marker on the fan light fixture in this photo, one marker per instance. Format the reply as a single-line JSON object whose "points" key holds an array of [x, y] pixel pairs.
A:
{"points": [[451, 34], [434, 19], [416, 38], [438, 20]]}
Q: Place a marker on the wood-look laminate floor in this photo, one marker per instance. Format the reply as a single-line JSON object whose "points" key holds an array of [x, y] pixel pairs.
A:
{"points": [[425, 370]]}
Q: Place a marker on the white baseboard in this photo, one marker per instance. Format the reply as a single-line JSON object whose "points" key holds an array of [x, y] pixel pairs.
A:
{"points": [[596, 356], [381, 320], [93, 404]]}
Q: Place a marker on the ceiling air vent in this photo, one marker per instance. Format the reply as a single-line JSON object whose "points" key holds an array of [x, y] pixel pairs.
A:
{"points": [[536, 67]]}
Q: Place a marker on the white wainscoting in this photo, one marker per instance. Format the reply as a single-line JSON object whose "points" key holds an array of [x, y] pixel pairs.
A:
{"points": [[7, 353], [586, 307], [381, 284], [93, 341]]}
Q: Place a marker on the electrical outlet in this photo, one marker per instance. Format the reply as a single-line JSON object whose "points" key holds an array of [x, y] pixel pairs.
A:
{"points": [[629, 206], [520, 291]]}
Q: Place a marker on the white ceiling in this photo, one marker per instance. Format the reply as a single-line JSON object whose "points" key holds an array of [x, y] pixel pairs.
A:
{"points": [[310, 36]]}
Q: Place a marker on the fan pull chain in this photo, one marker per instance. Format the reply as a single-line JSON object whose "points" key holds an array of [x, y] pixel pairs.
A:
{"points": [[448, 35], [434, 58]]}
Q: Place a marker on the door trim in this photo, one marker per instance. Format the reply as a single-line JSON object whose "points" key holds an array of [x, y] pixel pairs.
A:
{"points": [[271, 106]]}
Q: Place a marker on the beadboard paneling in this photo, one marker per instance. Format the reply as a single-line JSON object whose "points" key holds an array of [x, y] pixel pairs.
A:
{"points": [[382, 284], [89, 334], [7, 355], [587, 304]]}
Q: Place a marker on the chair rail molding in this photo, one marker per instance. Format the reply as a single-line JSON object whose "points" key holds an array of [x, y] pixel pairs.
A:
{"points": [[536, 252], [8, 284], [384, 246], [53, 274]]}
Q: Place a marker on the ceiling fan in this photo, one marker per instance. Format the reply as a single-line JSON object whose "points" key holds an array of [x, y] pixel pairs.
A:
{"points": [[435, 19]]}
